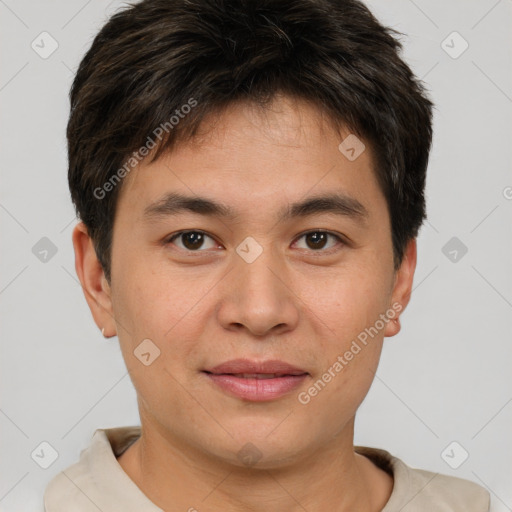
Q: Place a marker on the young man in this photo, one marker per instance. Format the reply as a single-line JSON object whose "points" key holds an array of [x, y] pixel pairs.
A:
{"points": [[250, 178]]}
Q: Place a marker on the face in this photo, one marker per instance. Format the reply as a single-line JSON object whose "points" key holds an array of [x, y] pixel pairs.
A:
{"points": [[257, 278]]}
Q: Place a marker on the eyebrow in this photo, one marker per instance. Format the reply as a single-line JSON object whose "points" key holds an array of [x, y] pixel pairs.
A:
{"points": [[338, 204]]}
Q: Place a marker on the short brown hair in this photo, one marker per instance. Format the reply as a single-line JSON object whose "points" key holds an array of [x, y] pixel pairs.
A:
{"points": [[156, 56]]}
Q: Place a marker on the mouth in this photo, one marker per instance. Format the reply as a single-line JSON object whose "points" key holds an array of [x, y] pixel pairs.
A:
{"points": [[256, 381], [260, 376]]}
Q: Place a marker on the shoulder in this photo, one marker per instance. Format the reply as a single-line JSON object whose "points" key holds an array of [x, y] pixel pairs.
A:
{"points": [[417, 490], [447, 493], [97, 481], [88, 484], [67, 491]]}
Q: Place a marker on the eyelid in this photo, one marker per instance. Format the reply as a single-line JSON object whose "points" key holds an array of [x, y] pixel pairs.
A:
{"points": [[339, 238], [169, 239]]}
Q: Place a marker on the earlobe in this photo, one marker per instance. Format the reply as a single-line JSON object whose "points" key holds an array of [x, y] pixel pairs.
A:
{"points": [[392, 327], [402, 287], [92, 278]]}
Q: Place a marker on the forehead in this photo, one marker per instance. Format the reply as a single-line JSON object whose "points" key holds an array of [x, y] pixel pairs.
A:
{"points": [[288, 149]]}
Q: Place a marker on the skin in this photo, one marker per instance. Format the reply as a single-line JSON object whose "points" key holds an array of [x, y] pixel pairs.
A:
{"points": [[295, 303]]}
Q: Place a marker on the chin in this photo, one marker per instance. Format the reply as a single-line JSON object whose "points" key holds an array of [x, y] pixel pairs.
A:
{"points": [[256, 448]]}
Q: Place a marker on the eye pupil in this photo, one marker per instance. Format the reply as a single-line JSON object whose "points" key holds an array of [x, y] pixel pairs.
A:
{"points": [[318, 239], [192, 240]]}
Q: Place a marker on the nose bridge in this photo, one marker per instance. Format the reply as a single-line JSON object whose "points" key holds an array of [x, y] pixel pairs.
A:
{"points": [[259, 274], [257, 295]]}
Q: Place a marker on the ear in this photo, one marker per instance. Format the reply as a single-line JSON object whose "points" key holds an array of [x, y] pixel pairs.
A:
{"points": [[92, 278], [402, 288]]}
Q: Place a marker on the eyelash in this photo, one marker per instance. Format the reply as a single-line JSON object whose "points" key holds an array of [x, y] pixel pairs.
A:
{"points": [[174, 236]]}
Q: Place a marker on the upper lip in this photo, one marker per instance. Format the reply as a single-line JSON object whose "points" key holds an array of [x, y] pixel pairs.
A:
{"points": [[247, 366]]}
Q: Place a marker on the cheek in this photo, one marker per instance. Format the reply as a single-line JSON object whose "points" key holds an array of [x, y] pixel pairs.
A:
{"points": [[350, 361], [165, 308], [145, 300], [150, 308], [349, 301], [351, 332]]}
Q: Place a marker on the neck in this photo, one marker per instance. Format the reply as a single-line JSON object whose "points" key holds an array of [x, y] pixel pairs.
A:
{"points": [[177, 477]]}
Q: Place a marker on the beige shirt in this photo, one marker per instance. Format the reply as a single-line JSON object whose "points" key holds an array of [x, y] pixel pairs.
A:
{"points": [[97, 482]]}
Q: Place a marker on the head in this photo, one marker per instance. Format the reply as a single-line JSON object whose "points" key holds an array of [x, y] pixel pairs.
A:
{"points": [[291, 141]]}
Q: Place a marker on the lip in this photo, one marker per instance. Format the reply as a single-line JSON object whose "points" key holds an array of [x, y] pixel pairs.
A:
{"points": [[248, 366], [288, 377]]}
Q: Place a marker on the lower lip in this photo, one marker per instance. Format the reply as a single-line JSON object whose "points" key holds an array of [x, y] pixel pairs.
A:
{"points": [[257, 390]]}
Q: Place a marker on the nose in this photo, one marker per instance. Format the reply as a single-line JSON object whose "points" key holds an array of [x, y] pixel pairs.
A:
{"points": [[258, 297]]}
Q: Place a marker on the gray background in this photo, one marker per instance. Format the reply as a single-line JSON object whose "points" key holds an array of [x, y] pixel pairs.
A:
{"points": [[446, 377]]}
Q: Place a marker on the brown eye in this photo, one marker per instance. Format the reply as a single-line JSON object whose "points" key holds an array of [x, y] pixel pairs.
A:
{"points": [[317, 240], [191, 240]]}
